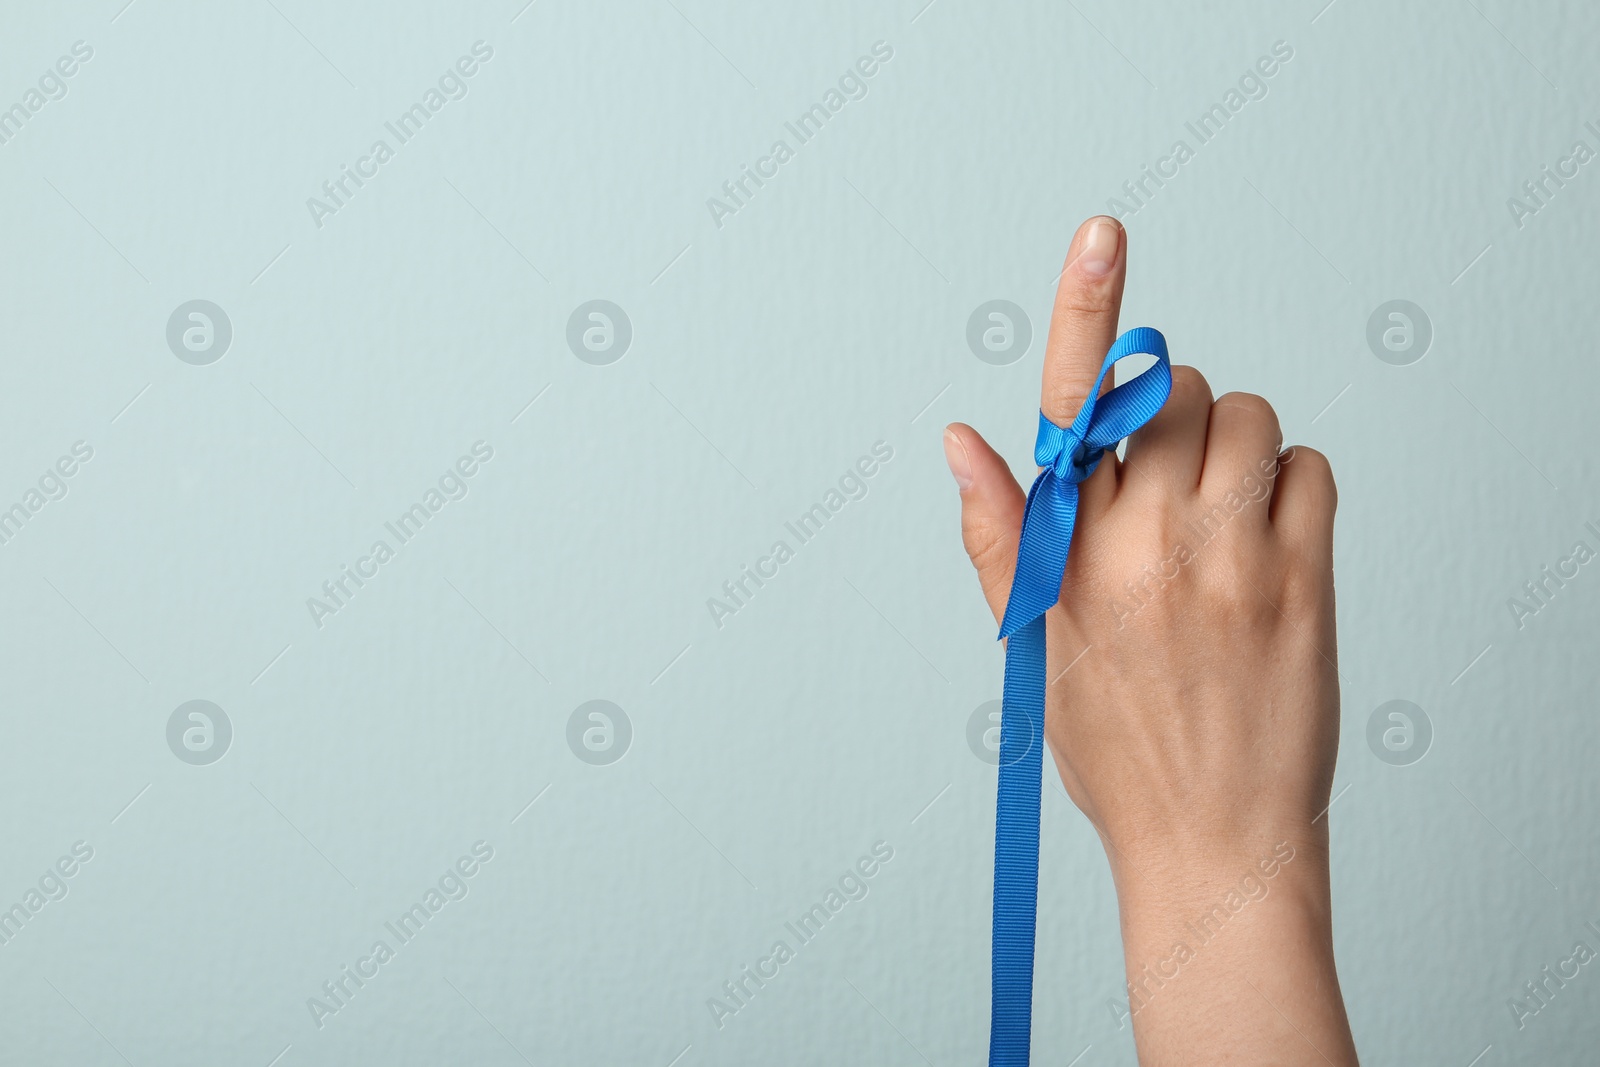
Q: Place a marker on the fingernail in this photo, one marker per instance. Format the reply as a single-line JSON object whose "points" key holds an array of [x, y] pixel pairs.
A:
{"points": [[955, 454], [1100, 247]]}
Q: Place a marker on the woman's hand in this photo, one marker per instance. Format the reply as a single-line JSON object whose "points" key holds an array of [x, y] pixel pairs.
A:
{"points": [[1192, 703]]}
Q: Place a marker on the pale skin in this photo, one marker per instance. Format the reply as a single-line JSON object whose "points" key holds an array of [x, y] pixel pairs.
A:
{"points": [[1197, 725]]}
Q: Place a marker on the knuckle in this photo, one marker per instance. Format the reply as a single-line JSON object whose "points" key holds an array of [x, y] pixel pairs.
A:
{"points": [[1311, 461], [1234, 598], [1065, 395], [1089, 301], [1189, 385], [1317, 472], [1250, 405], [987, 546]]}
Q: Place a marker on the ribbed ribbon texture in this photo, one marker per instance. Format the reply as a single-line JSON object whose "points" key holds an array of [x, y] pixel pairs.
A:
{"points": [[1068, 456]]}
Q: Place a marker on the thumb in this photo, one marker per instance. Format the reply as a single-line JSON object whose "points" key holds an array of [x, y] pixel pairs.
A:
{"points": [[991, 511]]}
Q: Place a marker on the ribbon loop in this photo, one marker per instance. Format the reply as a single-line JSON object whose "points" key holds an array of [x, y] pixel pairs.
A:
{"points": [[1068, 454]]}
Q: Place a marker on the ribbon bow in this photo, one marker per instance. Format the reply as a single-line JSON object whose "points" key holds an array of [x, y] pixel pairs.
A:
{"points": [[1068, 456]]}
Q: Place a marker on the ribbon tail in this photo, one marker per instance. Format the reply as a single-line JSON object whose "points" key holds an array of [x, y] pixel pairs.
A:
{"points": [[1016, 846], [1068, 455], [1041, 560]]}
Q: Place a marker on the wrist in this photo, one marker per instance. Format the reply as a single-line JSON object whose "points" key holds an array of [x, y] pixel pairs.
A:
{"points": [[1174, 889], [1247, 938]]}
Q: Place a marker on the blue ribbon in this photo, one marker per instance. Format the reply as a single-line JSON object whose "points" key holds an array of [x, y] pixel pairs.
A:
{"points": [[1068, 456]]}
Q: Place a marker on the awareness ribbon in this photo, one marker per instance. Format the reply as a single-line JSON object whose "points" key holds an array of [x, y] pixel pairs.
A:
{"points": [[1068, 456]]}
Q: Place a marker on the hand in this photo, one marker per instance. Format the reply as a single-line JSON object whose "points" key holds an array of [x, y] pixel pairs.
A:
{"points": [[1192, 696]]}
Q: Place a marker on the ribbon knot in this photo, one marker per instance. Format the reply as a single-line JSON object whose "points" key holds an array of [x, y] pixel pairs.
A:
{"points": [[1068, 454]]}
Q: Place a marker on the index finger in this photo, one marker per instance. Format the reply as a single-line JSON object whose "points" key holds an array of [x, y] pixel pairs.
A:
{"points": [[1083, 324]]}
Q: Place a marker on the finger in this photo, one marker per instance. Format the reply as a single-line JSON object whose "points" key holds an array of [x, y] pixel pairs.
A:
{"points": [[1167, 453], [1096, 492], [991, 511], [1242, 445], [1084, 321], [1083, 325], [1304, 500]]}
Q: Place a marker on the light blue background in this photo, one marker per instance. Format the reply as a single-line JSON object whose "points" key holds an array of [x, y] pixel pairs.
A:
{"points": [[768, 354]]}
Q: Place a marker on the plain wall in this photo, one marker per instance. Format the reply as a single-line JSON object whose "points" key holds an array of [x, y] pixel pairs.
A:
{"points": [[772, 346]]}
